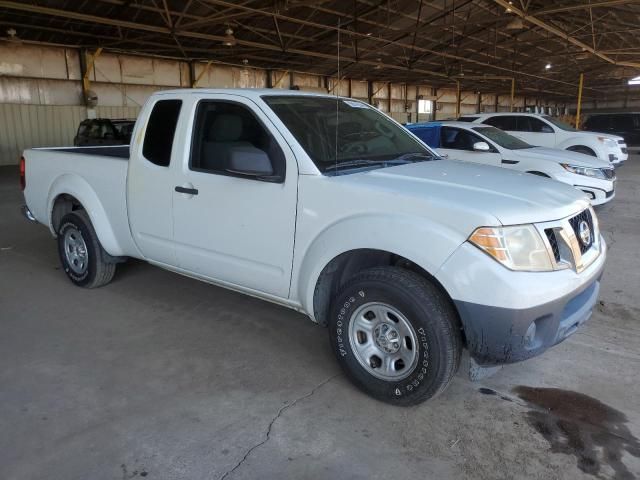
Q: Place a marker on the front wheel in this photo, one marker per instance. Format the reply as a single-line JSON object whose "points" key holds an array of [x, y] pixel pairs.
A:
{"points": [[81, 255], [395, 335]]}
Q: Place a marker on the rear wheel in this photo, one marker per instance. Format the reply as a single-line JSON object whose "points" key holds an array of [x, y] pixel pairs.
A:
{"points": [[80, 252], [395, 335]]}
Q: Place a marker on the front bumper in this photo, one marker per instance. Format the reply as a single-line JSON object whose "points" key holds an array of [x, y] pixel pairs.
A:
{"points": [[598, 190], [512, 316]]}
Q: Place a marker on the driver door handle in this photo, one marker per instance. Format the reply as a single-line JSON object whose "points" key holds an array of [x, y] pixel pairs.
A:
{"points": [[188, 191]]}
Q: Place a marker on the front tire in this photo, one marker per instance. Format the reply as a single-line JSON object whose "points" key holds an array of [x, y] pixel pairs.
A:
{"points": [[395, 335], [80, 252]]}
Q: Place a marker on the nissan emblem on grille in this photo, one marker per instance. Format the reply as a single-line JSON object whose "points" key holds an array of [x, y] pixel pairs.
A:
{"points": [[584, 233]]}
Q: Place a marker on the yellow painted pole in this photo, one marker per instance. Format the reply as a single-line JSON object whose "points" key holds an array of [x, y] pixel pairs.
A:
{"points": [[579, 106], [513, 93], [86, 81]]}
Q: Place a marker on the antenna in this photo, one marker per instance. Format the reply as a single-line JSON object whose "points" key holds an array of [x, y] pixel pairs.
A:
{"points": [[335, 87]]}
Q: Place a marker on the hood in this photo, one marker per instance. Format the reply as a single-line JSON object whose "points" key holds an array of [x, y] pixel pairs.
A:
{"points": [[509, 196], [556, 155]]}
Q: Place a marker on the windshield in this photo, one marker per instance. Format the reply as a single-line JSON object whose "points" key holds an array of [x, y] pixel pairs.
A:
{"points": [[559, 123], [341, 135], [502, 138]]}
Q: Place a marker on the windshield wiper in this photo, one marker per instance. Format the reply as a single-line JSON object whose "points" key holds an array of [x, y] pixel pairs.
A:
{"points": [[362, 162], [413, 156], [354, 164]]}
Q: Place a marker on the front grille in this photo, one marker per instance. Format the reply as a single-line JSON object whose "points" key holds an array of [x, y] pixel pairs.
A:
{"points": [[609, 173], [612, 157], [620, 142], [608, 194], [575, 224], [553, 241]]}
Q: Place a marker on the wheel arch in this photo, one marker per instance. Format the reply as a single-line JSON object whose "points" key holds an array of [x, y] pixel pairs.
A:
{"points": [[345, 265], [71, 192], [364, 241]]}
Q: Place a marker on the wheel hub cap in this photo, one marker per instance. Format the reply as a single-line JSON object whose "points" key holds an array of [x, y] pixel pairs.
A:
{"points": [[75, 251], [386, 338], [384, 341]]}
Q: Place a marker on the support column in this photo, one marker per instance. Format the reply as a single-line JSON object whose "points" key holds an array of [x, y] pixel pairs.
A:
{"points": [[579, 105], [87, 61], [513, 93]]}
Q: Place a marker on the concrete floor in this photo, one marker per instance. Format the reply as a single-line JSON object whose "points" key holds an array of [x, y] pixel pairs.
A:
{"points": [[164, 377]]}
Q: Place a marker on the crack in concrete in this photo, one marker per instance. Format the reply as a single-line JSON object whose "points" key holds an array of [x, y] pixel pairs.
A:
{"points": [[273, 421]]}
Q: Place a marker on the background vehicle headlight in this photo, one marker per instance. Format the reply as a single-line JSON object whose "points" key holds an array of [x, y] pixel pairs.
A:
{"points": [[587, 172], [608, 141], [518, 247]]}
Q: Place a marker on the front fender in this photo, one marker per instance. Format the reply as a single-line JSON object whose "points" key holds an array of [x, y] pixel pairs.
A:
{"points": [[79, 188], [583, 142], [417, 239]]}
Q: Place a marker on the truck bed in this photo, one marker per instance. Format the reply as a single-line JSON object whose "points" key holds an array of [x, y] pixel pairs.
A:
{"points": [[114, 151]]}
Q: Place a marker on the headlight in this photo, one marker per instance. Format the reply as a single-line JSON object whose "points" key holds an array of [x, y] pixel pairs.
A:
{"points": [[518, 247], [587, 172], [608, 141]]}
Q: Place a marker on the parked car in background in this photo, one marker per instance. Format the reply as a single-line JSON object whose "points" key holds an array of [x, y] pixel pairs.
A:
{"points": [[103, 131], [546, 131], [490, 146], [327, 206], [626, 125]]}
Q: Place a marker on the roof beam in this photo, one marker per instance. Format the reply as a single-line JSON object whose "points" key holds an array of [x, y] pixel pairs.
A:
{"points": [[582, 6], [565, 36]]}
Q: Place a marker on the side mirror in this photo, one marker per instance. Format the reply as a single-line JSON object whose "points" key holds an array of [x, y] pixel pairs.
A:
{"points": [[250, 162], [546, 129], [481, 147]]}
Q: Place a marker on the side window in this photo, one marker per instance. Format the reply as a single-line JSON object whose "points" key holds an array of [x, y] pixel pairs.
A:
{"points": [[536, 125], [458, 139], [594, 122], [622, 122], [227, 135], [161, 127], [502, 122]]}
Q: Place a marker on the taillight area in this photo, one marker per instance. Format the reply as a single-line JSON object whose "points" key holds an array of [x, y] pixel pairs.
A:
{"points": [[23, 177]]}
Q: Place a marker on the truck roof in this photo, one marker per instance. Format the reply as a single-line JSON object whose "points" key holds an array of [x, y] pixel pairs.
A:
{"points": [[246, 92]]}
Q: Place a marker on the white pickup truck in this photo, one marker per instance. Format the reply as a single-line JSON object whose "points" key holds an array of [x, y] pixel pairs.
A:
{"points": [[327, 206]]}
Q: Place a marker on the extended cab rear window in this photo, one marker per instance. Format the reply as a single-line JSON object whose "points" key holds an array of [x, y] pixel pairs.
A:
{"points": [[158, 138]]}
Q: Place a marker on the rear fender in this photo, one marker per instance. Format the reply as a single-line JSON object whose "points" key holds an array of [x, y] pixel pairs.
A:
{"points": [[79, 188]]}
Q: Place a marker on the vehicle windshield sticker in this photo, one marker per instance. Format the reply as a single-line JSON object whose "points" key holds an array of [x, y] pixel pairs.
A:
{"points": [[353, 104]]}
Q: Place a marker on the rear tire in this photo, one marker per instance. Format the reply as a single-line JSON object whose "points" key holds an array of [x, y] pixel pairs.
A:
{"points": [[584, 150], [395, 335], [81, 254]]}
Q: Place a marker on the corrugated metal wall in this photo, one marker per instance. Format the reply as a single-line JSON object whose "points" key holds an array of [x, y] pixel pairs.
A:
{"points": [[41, 92], [26, 126]]}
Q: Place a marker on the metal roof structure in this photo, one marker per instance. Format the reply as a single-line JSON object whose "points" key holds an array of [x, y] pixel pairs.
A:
{"points": [[480, 43]]}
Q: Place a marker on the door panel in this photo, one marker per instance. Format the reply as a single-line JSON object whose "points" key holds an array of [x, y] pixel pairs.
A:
{"points": [[235, 229], [150, 183]]}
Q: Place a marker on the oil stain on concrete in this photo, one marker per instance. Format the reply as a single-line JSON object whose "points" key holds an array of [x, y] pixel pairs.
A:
{"points": [[582, 426]]}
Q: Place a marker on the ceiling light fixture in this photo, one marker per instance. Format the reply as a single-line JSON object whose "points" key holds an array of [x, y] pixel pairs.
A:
{"points": [[547, 66], [229, 40], [515, 24], [634, 81]]}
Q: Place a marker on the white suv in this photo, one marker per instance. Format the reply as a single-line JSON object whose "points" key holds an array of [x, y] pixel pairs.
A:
{"points": [[546, 131]]}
